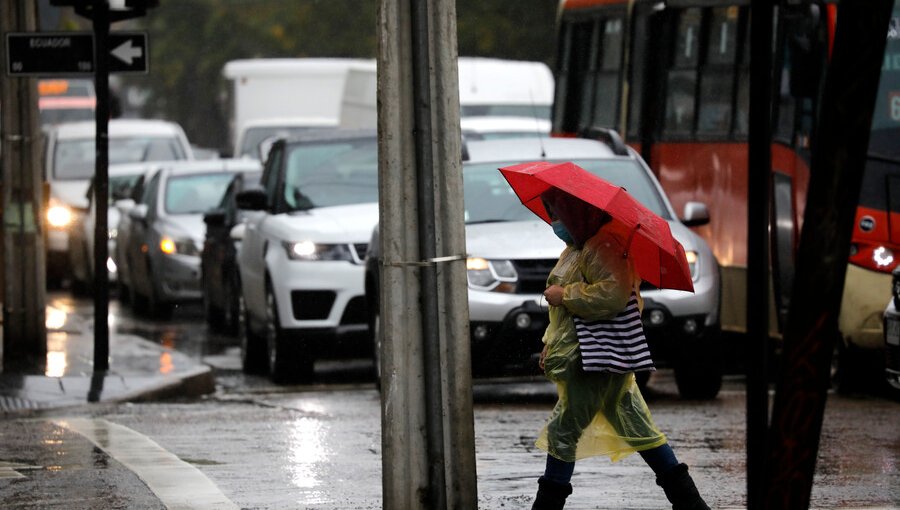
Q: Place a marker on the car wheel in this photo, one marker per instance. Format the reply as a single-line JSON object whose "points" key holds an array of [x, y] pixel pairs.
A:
{"points": [[698, 369], [122, 291], [377, 345], [212, 313], [254, 357], [156, 307], [287, 364], [138, 301], [232, 313]]}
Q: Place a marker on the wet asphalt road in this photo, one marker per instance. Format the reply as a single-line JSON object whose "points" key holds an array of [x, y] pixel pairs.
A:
{"points": [[268, 447]]}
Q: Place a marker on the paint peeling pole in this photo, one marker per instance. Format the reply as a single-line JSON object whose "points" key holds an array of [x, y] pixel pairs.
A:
{"points": [[24, 268], [427, 421]]}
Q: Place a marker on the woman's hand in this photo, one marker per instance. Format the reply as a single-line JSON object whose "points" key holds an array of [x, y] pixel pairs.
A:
{"points": [[554, 294]]}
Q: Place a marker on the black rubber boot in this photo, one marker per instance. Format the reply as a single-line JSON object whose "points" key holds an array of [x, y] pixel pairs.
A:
{"points": [[551, 495], [680, 489]]}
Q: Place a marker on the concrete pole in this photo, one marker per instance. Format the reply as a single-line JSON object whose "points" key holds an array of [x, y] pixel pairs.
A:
{"points": [[427, 422], [24, 268]]}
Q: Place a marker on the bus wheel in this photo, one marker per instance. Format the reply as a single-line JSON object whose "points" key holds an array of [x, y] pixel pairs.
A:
{"points": [[698, 369]]}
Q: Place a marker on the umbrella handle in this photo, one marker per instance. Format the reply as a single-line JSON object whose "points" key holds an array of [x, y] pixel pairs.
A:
{"points": [[630, 237]]}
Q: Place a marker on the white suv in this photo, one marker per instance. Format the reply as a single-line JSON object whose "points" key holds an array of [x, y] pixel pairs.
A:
{"points": [[301, 258]]}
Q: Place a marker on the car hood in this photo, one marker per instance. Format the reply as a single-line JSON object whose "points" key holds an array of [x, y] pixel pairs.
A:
{"points": [[72, 193], [184, 226], [338, 224], [512, 240], [536, 240], [688, 239]]}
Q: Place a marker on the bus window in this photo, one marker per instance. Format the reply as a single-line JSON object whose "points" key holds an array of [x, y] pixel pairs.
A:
{"points": [[606, 94], [589, 79], [717, 75], [574, 65], [682, 78]]}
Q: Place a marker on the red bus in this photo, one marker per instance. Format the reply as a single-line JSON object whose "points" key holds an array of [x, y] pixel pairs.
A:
{"points": [[673, 77]]}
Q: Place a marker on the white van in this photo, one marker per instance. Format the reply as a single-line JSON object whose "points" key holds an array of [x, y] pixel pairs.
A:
{"points": [[490, 87], [276, 96]]}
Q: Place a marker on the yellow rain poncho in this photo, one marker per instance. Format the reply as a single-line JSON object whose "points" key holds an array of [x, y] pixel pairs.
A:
{"points": [[598, 413]]}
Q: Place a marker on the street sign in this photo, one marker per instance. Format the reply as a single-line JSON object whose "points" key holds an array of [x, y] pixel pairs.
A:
{"points": [[72, 53], [128, 52]]}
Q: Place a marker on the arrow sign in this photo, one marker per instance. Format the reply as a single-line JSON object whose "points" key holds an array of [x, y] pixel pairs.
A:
{"points": [[72, 53], [126, 52], [129, 52]]}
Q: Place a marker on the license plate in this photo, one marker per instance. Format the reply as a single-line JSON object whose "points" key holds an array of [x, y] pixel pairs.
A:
{"points": [[892, 331]]}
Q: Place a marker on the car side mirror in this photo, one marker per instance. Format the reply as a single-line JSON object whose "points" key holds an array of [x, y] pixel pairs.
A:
{"points": [[214, 218], [253, 199], [138, 212], [125, 204], [237, 232], [695, 214]]}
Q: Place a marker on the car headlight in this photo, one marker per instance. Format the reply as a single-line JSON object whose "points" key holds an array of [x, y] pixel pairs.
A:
{"points": [[308, 250], [882, 256], [59, 215], [693, 261], [492, 275], [171, 246]]}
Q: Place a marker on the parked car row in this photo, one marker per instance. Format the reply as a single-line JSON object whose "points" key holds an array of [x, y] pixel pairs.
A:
{"points": [[287, 256], [161, 231], [69, 164]]}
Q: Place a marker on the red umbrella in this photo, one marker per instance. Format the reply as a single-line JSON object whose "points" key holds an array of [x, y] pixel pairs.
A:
{"points": [[658, 256]]}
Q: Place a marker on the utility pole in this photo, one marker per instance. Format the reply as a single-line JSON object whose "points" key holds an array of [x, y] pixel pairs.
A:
{"points": [[758, 177], [839, 157], [24, 268], [428, 440]]}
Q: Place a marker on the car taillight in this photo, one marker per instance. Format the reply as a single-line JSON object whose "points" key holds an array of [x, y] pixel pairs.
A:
{"points": [[879, 257]]}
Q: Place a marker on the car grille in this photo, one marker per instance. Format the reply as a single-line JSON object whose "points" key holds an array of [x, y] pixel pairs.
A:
{"points": [[355, 312], [533, 275], [311, 304]]}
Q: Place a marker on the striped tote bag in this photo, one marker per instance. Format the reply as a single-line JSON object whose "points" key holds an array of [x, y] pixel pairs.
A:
{"points": [[615, 345]]}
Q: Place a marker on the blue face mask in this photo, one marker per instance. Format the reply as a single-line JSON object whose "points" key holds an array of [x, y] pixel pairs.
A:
{"points": [[560, 230]]}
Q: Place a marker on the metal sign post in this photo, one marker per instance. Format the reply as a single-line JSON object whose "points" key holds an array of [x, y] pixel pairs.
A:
{"points": [[98, 11]]}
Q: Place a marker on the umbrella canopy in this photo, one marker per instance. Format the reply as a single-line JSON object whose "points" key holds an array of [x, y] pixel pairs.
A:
{"points": [[657, 255]]}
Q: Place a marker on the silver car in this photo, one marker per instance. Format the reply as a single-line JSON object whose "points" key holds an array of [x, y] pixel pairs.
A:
{"points": [[511, 252], [165, 231]]}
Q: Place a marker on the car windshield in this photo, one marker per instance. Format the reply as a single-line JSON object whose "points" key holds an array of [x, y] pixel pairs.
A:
{"points": [[255, 136], [489, 198], [331, 173], [195, 193], [505, 110], [74, 159], [120, 186]]}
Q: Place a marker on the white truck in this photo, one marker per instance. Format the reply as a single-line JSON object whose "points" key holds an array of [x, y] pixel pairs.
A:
{"points": [[273, 97], [488, 87]]}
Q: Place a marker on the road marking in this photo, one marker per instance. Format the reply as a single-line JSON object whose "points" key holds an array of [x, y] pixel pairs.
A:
{"points": [[176, 483], [11, 469]]}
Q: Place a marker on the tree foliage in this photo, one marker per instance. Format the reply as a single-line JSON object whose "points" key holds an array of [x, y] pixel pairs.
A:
{"points": [[191, 40]]}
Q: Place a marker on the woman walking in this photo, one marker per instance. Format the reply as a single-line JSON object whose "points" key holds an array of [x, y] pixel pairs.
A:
{"points": [[600, 411]]}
